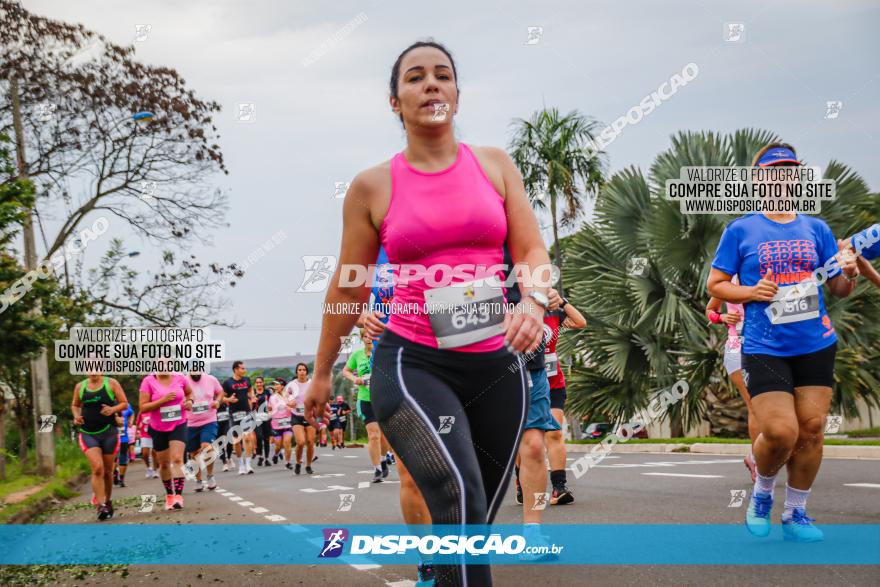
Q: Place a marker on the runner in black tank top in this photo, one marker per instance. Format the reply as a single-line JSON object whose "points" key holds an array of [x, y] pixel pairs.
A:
{"points": [[96, 402]]}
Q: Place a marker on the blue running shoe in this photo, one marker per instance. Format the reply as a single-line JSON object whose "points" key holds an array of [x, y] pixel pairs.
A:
{"points": [[758, 514], [800, 528], [426, 575]]}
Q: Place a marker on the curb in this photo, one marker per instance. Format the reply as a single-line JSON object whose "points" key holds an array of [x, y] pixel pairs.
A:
{"points": [[44, 503], [830, 451]]}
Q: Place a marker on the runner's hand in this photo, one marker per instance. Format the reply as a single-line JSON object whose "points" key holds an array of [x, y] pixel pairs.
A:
{"points": [[524, 328], [731, 318], [168, 397], [232, 400], [373, 325], [78, 420], [846, 258], [188, 404], [555, 300], [359, 381], [107, 411], [764, 290], [316, 397]]}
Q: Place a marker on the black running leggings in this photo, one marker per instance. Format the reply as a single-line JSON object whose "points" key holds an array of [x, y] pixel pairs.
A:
{"points": [[463, 468], [264, 436]]}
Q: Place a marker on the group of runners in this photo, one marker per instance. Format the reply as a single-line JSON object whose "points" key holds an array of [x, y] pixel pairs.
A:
{"points": [[462, 406], [181, 416]]}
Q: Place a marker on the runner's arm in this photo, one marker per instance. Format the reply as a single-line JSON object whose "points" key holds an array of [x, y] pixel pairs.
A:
{"points": [[574, 320], [122, 401], [360, 248], [720, 286], [868, 270], [76, 406], [523, 330]]}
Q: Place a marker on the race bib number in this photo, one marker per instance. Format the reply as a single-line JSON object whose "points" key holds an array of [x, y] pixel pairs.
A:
{"points": [[798, 307], [238, 416], [366, 379], [465, 313], [551, 363], [120, 430], [201, 407], [222, 416], [284, 423], [263, 417], [170, 413]]}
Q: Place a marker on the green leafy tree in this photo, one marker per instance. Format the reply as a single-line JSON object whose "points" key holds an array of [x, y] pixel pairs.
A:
{"points": [[558, 170]]}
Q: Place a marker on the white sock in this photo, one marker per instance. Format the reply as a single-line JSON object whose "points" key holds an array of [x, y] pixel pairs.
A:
{"points": [[248, 461], [378, 469], [764, 484], [794, 498]]}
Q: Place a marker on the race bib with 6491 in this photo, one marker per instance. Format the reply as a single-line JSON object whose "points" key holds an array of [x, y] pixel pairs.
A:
{"points": [[170, 413], [798, 307], [465, 313]]}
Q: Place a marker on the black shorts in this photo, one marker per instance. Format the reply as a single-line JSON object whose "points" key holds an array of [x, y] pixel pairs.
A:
{"points": [[162, 440], [336, 424], [557, 398], [107, 441], [365, 411], [763, 373], [299, 421]]}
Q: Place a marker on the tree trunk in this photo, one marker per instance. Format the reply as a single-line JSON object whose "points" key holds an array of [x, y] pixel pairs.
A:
{"points": [[676, 430], [727, 414], [557, 255], [39, 365]]}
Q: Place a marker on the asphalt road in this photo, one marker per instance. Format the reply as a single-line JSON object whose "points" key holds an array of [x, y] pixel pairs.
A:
{"points": [[624, 489]]}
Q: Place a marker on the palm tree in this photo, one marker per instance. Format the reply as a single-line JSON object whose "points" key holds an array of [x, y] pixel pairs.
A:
{"points": [[647, 331], [551, 153]]}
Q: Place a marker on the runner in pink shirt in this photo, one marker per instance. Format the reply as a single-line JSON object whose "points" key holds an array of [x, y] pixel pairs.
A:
{"points": [[281, 414], [164, 397], [303, 432], [142, 435], [733, 319], [202, 424]]}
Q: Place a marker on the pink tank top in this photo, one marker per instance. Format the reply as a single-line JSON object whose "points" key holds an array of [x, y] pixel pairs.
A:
{"points": [[451, 217]]}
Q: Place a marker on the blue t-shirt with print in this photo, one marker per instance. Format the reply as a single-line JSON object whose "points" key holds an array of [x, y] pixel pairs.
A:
{"points": [[753, 244], [869, 235]]}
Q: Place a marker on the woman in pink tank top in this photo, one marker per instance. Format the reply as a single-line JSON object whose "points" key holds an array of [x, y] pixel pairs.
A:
{"points": [[450, 356], [733, 320]]}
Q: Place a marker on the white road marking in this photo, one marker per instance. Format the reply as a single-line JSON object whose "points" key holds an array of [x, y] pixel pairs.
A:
{"points": [[406, 583], [367, 567], [350, 456], [365, 472], [275, 518], [364, 484], [235, 498], [259, 510], [873, 485], [329, 488], [246, 504], [685, 475], [326, 475], [227, 494], [668, 463]]}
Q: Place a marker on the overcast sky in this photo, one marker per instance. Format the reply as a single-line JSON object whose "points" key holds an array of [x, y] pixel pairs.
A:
{"points": [[320, 123]]}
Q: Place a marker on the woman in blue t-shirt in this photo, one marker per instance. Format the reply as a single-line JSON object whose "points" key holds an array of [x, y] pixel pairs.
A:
{"points": [[790, 343]]}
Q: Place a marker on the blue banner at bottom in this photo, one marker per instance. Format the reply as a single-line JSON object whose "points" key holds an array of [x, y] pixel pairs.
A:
{"points": [[570, 544]]}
